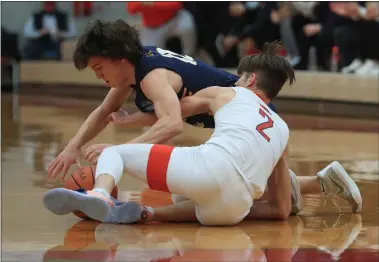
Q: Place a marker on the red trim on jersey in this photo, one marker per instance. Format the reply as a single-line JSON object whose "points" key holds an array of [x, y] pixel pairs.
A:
{"points": [[157, 166], [265, 108]]}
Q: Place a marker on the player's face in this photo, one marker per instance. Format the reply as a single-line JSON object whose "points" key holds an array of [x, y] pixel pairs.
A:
{"points": [[246, 80], [113, 72]]}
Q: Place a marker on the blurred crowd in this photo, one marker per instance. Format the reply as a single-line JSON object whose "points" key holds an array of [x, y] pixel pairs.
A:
{"points": [[326, 36], [342, 35]]}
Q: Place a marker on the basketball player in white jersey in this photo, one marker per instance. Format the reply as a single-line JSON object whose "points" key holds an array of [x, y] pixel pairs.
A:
{"points": [[221, 178]]}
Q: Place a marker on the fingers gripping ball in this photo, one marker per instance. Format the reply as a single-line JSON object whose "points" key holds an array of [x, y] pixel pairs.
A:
{"points": [[84, 178]]}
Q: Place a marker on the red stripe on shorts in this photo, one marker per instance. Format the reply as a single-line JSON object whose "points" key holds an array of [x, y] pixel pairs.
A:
{"points": [[157, 166]]}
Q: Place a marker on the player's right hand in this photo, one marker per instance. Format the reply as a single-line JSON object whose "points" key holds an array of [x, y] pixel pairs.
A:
{"points": [[63, 162]]}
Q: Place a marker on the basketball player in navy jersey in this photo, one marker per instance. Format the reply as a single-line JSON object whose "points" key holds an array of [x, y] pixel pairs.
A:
{"points": [[160, 79]]}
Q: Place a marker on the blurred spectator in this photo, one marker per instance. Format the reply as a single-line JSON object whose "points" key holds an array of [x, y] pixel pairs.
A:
{"points": [[360, 43], [44, 32], [162, 20], [307, 25], [9, 45], [259, 27], [284, 17], [214, 19], [9, 50]]}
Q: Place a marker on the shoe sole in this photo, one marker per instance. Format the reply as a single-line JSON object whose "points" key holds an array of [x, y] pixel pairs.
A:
{"points": [[60, 198], [344, 176]]}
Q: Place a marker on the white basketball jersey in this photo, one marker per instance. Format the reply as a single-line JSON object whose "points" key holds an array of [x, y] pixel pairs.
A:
{"points": [[253, 137]]}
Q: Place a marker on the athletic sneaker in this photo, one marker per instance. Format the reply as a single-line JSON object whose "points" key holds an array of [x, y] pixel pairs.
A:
{"points": [[130, 213], [297, 203], [335, 180], [355, 65], [62, 201]]}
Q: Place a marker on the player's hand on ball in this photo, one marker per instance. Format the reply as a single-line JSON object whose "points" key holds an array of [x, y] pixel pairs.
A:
{"points": [[93, 152], [63, 162]]}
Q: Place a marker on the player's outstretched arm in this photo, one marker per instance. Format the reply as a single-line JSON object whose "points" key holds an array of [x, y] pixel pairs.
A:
{"points": [[190, 105], [194, 105], [279, 187], [91, 127], [157, 88]]}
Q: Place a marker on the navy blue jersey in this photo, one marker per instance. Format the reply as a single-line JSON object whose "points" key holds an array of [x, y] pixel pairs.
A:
{"points": [[196, 75]]}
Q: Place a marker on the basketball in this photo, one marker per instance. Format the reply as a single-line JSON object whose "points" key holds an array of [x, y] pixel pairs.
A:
{"points": [[84, 177]]}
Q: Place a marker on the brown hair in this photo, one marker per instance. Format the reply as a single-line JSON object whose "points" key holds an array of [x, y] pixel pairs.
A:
{"points": [[115, 40], [272, 70]]}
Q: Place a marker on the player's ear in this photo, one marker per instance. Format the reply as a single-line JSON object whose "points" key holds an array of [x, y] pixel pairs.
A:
{"points": [[252, 80]]}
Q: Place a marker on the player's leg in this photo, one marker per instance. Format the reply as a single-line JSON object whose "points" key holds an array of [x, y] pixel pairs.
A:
{"points": [[97, 203], [333, 179], [225, 201], [297, 203], [180, 212], [215, 211], [160, 166]]}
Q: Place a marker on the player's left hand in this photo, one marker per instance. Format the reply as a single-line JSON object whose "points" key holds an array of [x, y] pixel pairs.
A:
{"points": [[93, 152]]}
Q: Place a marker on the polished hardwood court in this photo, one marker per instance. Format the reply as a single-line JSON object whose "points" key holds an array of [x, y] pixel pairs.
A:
{"points": [[325, 230]]}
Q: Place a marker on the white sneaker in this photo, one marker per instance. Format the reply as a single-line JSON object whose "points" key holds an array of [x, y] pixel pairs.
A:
{"points": [[366, 67], [335, 180], [297, 203], [374, 71], [357, 63]]}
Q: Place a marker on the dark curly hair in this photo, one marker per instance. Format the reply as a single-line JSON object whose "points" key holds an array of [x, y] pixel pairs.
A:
{"points": [[272, 70], [115, 40]]}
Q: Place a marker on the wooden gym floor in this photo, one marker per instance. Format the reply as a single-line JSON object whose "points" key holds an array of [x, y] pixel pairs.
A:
{"points": [[322, 232]]}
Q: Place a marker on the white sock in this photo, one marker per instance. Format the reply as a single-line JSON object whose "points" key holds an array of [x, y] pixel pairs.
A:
{"points": [[151, 211], [102, 191]]}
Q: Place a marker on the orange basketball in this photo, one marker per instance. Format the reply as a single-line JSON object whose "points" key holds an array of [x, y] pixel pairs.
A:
{"points": [[84, 178]]}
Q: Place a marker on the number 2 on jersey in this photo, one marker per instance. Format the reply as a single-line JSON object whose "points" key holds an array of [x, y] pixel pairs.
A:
{"points": [[184, 58], [265, 125]]}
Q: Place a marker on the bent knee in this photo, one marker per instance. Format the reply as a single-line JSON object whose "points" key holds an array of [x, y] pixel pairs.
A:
{"points": [[109, 151]]}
